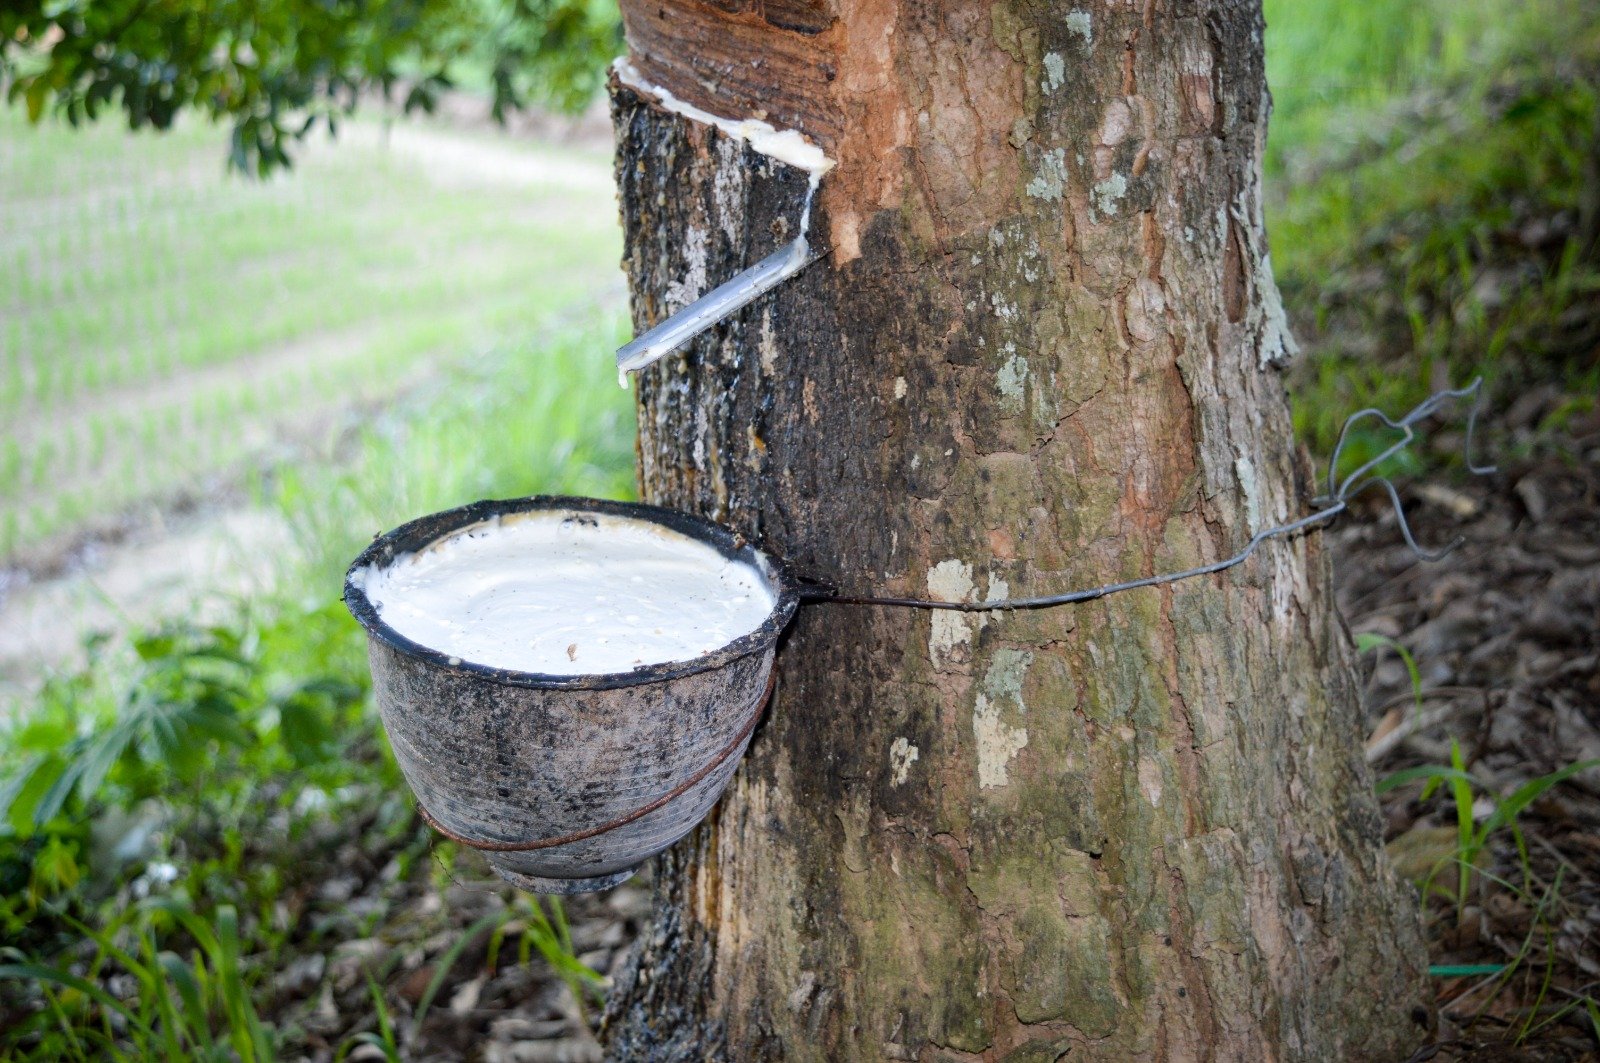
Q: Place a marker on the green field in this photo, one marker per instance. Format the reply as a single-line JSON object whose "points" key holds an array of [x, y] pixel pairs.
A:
{"points": [[167, 328], [387, 331]]}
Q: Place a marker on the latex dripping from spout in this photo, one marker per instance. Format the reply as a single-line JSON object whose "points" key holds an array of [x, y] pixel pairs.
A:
{"points": [[724, 300]]}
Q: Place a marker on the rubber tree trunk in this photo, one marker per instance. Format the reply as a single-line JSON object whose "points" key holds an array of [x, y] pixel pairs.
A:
{"points": [[1040, 357]]}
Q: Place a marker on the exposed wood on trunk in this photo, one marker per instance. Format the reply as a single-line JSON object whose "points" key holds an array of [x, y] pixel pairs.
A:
{"points": [[1037, 360]]}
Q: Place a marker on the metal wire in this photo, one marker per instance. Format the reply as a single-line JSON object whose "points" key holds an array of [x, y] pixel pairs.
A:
{"points": [[1335, 502]]}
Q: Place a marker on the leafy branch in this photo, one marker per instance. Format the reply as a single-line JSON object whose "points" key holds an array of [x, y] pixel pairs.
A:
{"points": [[277, 69]]}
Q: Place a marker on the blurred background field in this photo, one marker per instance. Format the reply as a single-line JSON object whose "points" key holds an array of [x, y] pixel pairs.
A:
{"points": [[178, 343], [213, 389], [1434, 202]]}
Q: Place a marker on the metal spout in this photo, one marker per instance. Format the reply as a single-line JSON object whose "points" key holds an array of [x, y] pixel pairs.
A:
{"points": [[716, 305]]}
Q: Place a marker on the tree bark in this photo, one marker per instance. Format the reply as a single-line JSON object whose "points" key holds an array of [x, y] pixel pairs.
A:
{"points": [[1039, 357]]}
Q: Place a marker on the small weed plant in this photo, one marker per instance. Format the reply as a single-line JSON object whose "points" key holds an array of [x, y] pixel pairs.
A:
{"points": [[149, 843], [1481, 814]]}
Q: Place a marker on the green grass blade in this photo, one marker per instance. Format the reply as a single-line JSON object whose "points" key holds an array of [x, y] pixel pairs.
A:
{"points": [[38, 972], [53, 1004], [249, 1037], [195, 1019], [1511, 807], [448, 960], [1461, 792], [391, 1050], [1433, 773], [1371, 640]]}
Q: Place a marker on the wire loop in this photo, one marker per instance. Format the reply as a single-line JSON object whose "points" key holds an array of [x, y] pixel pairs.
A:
{"points": [[1335, 502]]}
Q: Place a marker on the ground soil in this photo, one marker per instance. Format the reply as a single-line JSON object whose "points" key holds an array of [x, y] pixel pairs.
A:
{"points": [[1505, 632], [194, 564]]}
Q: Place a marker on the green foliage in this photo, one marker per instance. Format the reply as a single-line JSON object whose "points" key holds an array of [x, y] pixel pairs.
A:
{"points": [[1473, 837], [492, 921], [205, 741], [159, 951], [1432, 198], [1475, 828], [201, 703], [546, 932], [550, 50], [177, 1005], [192, 744], [275, 69], [1335, 68], [383, 1039], [550, 935], [1371, 640]]}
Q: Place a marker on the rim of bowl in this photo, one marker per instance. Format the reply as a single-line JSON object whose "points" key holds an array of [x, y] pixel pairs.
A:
{"points": [[424, 531]]}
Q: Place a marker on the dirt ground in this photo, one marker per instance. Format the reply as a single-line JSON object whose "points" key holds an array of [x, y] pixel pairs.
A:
{"points": [[1505, 634], [196, 564]]}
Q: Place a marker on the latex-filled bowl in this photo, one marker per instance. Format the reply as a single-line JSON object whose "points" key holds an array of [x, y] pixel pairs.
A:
{"points": [[567, 782]]}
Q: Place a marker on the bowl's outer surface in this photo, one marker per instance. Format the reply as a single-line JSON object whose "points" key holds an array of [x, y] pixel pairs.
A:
{"points": [[507, 757], [500, 763]]}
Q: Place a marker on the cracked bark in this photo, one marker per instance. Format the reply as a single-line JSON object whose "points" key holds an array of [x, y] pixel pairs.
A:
{"points": [[1038, 358]]}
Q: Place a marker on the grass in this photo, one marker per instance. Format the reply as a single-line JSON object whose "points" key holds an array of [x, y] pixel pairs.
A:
{"points": [[1333, 68], [177, 328], [168, 324], [1472, 838], [1482, 817], [1429, 193], [215, 733], [543, 417], [1476, 829]]}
